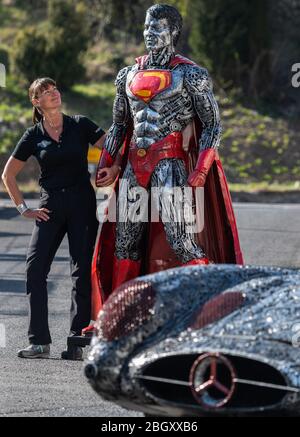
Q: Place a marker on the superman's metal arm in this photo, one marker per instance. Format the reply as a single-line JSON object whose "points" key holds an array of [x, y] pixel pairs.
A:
{"points": [[117, 132], [199, 86]]}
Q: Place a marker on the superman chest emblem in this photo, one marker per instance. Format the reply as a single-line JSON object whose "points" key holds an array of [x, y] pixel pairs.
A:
{"points": [[146, 84]]}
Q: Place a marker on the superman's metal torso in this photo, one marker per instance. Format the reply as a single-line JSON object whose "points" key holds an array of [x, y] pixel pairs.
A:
{"points": [[159, 103]]}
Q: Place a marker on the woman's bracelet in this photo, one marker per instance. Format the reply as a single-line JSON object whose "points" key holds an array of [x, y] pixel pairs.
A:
{"points": [[22, 208]]}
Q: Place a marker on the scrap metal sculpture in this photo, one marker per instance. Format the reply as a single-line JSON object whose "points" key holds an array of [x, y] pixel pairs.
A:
{"points": [[166, 122]]}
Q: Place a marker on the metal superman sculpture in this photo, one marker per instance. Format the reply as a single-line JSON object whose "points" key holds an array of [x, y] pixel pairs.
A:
{"points": [[166, 127]]}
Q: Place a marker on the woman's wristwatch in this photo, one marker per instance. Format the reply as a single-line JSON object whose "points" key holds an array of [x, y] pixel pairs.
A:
{"points": [[22, 208]]}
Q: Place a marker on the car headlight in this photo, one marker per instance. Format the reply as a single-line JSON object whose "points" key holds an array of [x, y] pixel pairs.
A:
{"points": [[126, 309]]}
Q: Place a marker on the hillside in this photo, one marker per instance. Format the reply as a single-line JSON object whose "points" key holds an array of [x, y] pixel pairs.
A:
{"points": [[259, 148]]}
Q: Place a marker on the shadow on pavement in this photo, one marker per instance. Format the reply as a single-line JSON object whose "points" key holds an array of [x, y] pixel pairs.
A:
{"points": [[14, 234], [8, 213], [19, 257], [18, 286]]}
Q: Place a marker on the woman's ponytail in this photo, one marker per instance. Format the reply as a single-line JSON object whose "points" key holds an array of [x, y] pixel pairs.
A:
{"points": [[36, 115]]}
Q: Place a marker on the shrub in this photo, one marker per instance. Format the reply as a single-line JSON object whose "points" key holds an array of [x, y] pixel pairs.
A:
{"points": [[54, 48], [29, 53]]}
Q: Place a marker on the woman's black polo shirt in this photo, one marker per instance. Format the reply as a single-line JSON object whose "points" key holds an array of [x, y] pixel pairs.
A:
{"points": [[62, 163]]}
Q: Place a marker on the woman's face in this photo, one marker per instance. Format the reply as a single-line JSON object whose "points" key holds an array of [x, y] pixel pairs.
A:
{"points": [[50, 98]]}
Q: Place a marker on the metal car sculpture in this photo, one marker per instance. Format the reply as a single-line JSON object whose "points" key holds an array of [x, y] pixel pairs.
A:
{"points": [[201, 340]]}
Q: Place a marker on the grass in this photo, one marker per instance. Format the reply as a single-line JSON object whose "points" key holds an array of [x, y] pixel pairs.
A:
{"points": [[31, 186], [255, 187], [257, 147], [93, 100]]}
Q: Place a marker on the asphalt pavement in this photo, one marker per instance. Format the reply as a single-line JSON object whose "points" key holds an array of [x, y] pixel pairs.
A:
{"points": [[269, 235]]}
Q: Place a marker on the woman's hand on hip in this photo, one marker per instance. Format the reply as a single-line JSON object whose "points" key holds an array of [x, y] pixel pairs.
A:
{"points": [[39, 214]]}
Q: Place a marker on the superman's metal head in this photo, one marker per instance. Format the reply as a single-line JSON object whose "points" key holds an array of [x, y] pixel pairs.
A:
{"points": [[163, 25]]}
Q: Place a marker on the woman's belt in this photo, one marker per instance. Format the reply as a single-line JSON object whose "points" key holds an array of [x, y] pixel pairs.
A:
{"points": [[144, 161]]}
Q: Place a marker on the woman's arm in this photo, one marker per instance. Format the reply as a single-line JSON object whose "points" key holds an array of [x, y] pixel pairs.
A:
{"points": [[111, 173], [11, 169], [117, 132], [100, 142]]}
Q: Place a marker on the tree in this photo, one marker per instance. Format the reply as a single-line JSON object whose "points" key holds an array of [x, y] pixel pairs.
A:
{"points": [[232, 39], [54, 48], [29, 53]]}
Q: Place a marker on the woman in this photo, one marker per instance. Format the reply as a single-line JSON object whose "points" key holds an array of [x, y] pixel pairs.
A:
{"points": [[67, 206]]}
